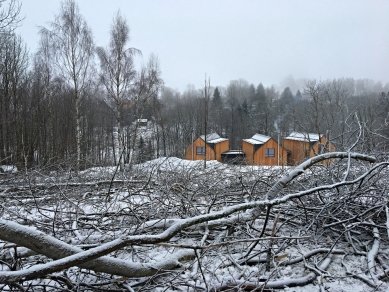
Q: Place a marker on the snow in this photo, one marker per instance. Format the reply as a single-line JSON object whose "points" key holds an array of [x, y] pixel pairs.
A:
{"points": [[257, 139], [261, 138], [219, 140], [141, 120], [253, 141], [304, 137], [210, 192], [8, 168], [210, 136], [213, 138]]}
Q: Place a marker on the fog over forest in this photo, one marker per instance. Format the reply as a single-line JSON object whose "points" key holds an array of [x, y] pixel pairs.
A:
{"points": [[98, 191]]}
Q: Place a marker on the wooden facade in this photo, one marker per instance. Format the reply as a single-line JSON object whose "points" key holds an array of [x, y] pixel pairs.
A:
{"points": [[264, 151], [214, 148], [302, 146]]}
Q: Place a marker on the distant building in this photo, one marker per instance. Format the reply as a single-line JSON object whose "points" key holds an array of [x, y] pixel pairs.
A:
{"points": [[214, 148], [302, 146], [263, 150], [141, 122]]}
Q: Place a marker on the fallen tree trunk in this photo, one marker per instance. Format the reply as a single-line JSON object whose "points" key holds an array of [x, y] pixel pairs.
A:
{"points": [[94, 258]]}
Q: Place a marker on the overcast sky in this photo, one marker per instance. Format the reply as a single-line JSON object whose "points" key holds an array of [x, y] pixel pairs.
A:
{"points": [[260, 41]]}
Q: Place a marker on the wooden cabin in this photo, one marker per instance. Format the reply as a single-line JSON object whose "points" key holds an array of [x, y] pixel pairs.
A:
{"points": [[141, 122], [302, 146], [214, 148], [263, 150]]}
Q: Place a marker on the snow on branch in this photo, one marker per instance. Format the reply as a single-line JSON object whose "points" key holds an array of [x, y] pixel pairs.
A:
{"points": [[67, 255], [283, 182]]}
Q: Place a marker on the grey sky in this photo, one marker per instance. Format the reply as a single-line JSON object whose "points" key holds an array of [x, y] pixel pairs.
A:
{"points": [[260, 41]]}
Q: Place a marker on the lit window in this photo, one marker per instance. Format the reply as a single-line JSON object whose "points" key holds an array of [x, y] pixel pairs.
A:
{"points": [[269, 152], [200, 150]]}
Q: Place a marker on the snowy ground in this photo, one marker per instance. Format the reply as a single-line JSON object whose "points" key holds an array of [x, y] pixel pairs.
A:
{"points": [[331, 239]]}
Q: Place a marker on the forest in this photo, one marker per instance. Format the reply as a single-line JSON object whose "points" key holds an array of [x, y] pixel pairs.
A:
{"points": [[91, 200], [66, 103]]}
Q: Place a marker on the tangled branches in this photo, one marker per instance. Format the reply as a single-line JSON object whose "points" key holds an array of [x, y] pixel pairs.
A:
{"points": [[171, 226]]}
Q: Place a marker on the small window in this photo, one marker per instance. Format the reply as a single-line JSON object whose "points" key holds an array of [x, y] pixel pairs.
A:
{"points": [[269, 152], [322, 149], [200, 150]]}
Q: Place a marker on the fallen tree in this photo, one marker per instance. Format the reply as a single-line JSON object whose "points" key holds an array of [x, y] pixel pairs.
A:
{"points": [[204, 212]]}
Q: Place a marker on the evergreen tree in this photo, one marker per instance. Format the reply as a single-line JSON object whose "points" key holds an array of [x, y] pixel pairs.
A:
{"points": [[149, 151], [299, 96], [251, 95], [260, 111], [285, 105], [216, 99], [216, 112], [141, 150], [287, 96], [260, 95]]}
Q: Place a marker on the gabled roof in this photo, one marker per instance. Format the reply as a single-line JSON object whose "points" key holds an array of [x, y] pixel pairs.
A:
{"points": [[257, 139], [304, 137], [213, 138]]}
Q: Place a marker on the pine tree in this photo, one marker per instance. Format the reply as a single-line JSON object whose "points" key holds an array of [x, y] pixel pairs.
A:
{"points": [[216, 114], [149, 151], [260, 111], [299, 96], [141, 150]]}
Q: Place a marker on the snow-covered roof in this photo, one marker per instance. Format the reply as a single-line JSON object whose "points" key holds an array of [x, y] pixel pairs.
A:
{"points": [[8, 168], [305, 137], [141, 120], [213, 138], [257, 139], [214, 141]]}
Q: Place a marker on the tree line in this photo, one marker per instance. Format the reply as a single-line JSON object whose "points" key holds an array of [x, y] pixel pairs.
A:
{"points": [[60, 107], [338, 108]]}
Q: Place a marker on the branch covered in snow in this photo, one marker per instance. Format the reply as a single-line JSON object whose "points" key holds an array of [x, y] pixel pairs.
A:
{"points": [[211, 214], [56, 249], [283, 182]]}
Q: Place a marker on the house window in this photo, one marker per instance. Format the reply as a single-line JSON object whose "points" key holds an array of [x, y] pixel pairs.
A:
{"points": [[269, 152], [200, 150]]}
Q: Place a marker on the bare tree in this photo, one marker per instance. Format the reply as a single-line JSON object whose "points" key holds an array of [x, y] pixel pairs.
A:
{"points": [[118, 73], [147, 85], [9, 15], [44, 64], [13, 67], [207, 97], [74, 47]]}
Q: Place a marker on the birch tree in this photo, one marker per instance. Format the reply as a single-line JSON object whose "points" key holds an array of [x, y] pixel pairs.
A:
{"points": [[9, 15], [73, 43], [118, 72], [147, 85], [44, 66]]}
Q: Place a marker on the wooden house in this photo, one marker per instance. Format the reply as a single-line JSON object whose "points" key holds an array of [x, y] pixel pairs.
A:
{"points": [[302, 146], [214, 148], [263, 150], [141, 122]]}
